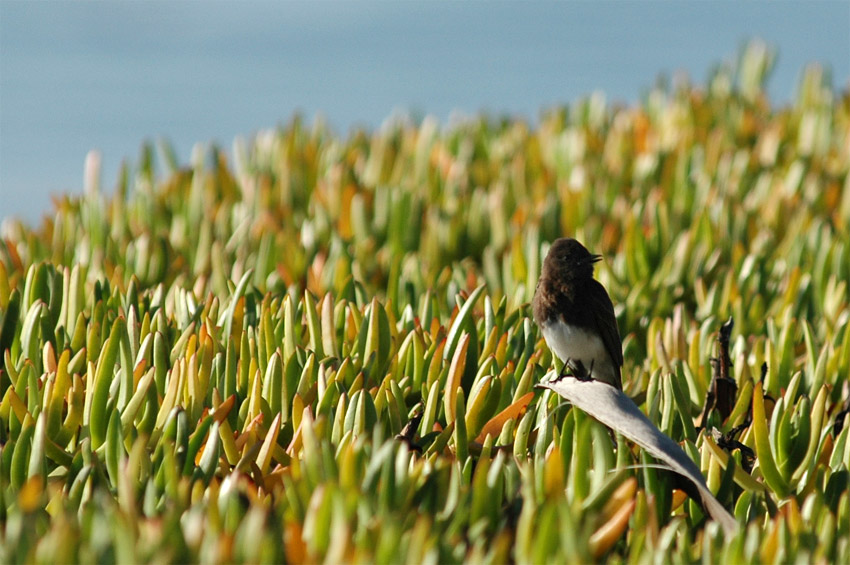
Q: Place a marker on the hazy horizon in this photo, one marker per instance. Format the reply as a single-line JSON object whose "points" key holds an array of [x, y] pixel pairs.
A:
{"points": [[108, 76]]}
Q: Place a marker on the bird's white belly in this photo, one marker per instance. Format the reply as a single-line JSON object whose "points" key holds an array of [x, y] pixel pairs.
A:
{"points": [[570, 342]]}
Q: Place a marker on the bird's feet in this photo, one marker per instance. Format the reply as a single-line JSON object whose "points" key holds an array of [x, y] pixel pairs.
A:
{"points": [[578, 370], [566, 370], [575, 368]]}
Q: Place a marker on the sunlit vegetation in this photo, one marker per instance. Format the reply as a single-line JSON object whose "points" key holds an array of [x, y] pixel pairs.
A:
{"points": [[320, 348]]}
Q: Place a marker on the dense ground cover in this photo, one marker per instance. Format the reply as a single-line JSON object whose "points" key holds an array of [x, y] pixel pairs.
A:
{"points": [[324, 351]]}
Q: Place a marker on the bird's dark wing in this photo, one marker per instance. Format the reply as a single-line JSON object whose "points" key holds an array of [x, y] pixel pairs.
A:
{"points": [[606, 322]]}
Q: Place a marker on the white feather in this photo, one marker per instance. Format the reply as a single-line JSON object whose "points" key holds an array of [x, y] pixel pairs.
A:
{"points": [[578, 344], [617, 411]]}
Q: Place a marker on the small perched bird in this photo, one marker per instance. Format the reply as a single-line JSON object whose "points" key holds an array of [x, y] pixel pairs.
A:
{"points": [[577, 319], [576, 315]]}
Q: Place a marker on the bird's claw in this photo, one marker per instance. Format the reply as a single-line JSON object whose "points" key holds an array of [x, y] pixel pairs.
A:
{"points": [[564, 370], [576, 369], [579, 371]]}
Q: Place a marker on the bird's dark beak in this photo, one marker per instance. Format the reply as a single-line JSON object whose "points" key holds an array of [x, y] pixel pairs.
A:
{"points": [[595, 258]]}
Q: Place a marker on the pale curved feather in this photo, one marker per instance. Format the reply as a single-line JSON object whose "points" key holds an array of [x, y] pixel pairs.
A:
{"points": [[613, 408]]}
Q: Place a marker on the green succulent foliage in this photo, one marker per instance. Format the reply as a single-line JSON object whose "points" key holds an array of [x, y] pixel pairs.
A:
{"points": [[324, 352]]}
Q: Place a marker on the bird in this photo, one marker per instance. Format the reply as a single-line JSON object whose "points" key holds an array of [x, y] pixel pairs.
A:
{"points": [[576, 315]]}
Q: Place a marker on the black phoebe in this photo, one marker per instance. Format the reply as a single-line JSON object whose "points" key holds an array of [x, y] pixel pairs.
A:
{"points": [[576, 315]]}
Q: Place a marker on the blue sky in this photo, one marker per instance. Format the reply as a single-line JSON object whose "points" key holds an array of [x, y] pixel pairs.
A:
{"points": [[109, 75]]}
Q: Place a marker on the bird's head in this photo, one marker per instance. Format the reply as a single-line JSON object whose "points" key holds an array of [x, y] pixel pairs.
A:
{"points": [[569, 260]]}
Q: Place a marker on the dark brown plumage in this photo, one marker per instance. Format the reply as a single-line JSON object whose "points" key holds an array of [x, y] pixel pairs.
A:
{"points": [[575, 313]]}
